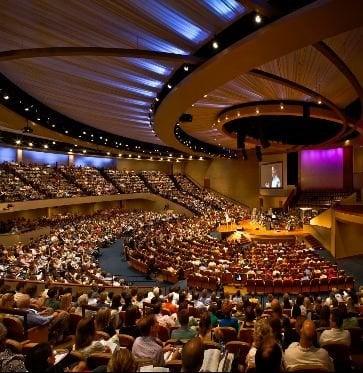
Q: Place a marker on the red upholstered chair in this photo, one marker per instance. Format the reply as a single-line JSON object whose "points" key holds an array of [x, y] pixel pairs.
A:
{"points": [[228, 334], [323, 285], [333, 283], [239, 349], [163, 333], [305, 286], [277, 286], [251, 286], [287, 286], [126, 341], [314, 285], [341, 282], [349, 282], [246, 335], [259, 286], [296, 286], [269, 288]]}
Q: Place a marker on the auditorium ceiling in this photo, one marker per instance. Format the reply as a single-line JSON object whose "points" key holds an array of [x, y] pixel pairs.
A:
{"points": [[276, 69]]}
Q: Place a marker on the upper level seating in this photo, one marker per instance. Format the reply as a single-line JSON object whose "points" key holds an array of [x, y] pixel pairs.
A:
{"points": [[47, 179], [127, 181], [90, 180], [13, 189], [324, 198], [165, 186]]}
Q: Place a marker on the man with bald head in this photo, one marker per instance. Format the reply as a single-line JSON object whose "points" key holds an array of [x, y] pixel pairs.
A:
{"points": [[192, 355], [303, 355]]}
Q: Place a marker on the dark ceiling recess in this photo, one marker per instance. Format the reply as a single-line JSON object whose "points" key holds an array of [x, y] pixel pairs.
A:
{"points": [[287, 129]]}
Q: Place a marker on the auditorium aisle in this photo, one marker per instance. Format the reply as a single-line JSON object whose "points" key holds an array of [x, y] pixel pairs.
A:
{"points": [[111, 261]]}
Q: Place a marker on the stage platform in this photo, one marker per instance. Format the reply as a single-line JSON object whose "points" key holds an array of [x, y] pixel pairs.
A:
{"points": [[253, 230]]}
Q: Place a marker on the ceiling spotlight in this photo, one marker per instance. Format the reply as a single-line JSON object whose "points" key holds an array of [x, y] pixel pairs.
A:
{"points": [[53, 142], [238, 114], [6, 97], [169, 86], [258, 18], [282, 106], [156, 99], [151, 110], [215, 45], [45, 146], [186, 68], [319, 101], [17, 142], [75, 145], [120, 155], [30, 144], [53, 125], [205, 96], [65, 131], [71, 150], [257, 110], [38, 118], [161, 159], [130, 155], [139, 156], [84, 132], [84, 151], [190, 157], [26, 109]]}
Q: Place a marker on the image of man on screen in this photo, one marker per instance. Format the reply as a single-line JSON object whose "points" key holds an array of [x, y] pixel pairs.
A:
{"points": [[275, 179]]}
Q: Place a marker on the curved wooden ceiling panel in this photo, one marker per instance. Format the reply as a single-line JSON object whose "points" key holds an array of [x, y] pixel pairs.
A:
{"points": [[113, 94]]}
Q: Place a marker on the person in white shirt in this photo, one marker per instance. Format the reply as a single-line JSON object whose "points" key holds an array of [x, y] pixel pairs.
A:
{"points": [[303, 355], [335, 335]]}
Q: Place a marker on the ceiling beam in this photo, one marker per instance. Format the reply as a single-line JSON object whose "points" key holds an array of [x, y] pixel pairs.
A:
{"points": [[327, 52], [17, 54], [261, 7], [298, 87]]}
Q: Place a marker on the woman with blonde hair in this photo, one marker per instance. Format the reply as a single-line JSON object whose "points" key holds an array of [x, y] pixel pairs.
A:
{"points": [[122, 361], [262, 330], [103, 321]]}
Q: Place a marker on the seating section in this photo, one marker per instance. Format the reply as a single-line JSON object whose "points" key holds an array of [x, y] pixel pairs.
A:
{"points": [[163, 184], [47, 179], [127, 181], [323, 198], [13, 189], [90, 180]]}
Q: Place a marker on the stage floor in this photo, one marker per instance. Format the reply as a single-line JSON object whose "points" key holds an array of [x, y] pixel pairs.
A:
{"points": [[255, 230]]}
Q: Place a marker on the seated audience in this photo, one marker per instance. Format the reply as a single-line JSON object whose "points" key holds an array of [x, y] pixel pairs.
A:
{"points": [[205, 327], [336, 334], [303, 354], [122, 361], [262, 331], [184, 332], [86, 342], [227, 319], [268, 357], [130, 327], [192, 355], [146, 348], [9, 361]]}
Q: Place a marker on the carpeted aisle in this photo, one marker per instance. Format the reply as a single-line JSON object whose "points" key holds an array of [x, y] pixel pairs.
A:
{"points": [[111, 261]]}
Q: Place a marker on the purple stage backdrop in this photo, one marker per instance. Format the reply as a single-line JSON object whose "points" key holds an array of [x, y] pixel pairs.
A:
{"points": [[322, 169]]}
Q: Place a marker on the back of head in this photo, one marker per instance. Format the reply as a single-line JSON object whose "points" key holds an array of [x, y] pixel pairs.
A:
{"points": [[183, 317], [39, 358], [103, 318], [3, 333], [268, 357], [261, 331], [85, 333], [145, 325], [227, 308], [205, 323], [307, 334], [336, 318], [192, 355], [122, 361], [23, 302], [131, 315], [276, 307]]}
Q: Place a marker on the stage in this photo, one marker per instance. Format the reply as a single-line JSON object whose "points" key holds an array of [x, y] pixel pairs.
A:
{"points": [[252, 230]]}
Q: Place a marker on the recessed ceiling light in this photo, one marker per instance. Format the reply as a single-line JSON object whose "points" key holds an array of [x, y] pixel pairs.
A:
{"points": [[156, 99], [84, 151], [53, 125], [319, 101], [257, 110], [169, 86], [65, 131], [205, 96], [30, 144], [258, 18], [282, 106], [108, 153], [26, 109], [17, 142], [186, 68], [215, 45], [45, 146], [53, 142], [6, 97]]}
